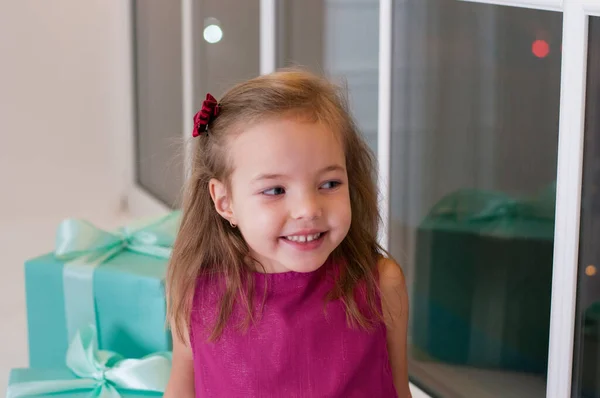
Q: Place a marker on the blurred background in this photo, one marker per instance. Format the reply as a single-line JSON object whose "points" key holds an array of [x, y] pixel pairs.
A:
{"points": [[96, 100]]}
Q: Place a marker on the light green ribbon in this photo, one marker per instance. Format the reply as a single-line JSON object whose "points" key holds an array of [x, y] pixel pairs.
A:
{"points": [[83, 247], [103, 372], [472, 206], [495, 213]]}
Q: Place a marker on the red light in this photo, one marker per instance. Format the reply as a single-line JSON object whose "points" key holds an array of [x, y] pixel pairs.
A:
{"points": [[540, 48]]}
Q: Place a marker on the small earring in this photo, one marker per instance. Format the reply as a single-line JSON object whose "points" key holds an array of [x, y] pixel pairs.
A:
{"points": [[232, 224]]}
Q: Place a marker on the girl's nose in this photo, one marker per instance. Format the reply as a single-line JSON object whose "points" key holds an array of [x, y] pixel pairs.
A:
{"points": [[307, 207]]}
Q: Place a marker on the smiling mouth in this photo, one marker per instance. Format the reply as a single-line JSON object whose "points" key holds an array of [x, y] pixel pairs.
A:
{"points": [[304, 238]]}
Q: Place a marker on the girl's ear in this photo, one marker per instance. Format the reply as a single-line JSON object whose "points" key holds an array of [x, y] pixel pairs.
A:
{"points": [[221, 199]]}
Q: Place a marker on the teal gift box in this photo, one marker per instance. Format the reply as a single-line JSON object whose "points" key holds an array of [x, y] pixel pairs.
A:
{"points": [[93, 373], [113, 280], [483, 279]]}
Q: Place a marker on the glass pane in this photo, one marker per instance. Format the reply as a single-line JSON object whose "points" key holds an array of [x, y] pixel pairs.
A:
{"points": [[341, 43], [475, 108], [158, 94], [586, 364], [226, 45]]}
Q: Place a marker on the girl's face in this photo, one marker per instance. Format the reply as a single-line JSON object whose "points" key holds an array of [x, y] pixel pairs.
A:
{"points": [[289, 193]]}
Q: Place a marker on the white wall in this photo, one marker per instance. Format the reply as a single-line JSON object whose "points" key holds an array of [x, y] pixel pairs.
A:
{"points": [[64, 97], [65, 118]]}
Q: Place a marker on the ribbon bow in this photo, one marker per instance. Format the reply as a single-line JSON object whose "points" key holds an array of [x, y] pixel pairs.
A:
{"points": [[103, 372], [210, 110], [79, 238], [84, 247], [495, 214], [472, 206]]}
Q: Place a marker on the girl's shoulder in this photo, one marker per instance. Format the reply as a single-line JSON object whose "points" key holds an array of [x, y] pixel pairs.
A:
{"points": [[390, 273], [394, 303], [394, 297]]}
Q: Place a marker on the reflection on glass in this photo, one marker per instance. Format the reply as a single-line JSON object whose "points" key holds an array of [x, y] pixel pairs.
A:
{"points": [[212, 31], [158, 95], [226, 45], [586, 364], [225, 52], [339, 39], [474, 146]]}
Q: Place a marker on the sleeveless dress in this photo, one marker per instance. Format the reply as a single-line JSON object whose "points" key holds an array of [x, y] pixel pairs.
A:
{"points": [[297, 346]]}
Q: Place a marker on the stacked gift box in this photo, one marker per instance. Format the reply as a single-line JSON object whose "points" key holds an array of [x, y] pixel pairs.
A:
{"points": [[103, 293], [483, 281]]}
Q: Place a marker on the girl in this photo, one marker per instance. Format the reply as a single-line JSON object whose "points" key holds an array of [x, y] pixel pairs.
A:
{"points": [[276, 286]]}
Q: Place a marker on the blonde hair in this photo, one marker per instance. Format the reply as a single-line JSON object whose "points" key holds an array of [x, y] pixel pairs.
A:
{"points": [[207, 245]]}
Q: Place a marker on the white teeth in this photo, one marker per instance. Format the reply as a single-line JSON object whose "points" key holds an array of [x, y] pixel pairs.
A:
{"points": [[303, 238], [312, 237]]}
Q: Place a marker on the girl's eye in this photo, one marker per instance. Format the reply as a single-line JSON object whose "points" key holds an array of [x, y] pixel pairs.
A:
{"points": [[331, 184], [274, 191]]}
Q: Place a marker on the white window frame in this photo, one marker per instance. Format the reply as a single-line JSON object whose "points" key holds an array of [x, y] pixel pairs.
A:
{"points": [[576, 15], [551, 5]]}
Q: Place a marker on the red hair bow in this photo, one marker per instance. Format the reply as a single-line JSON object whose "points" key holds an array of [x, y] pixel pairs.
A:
{"points": [[210, 110]]}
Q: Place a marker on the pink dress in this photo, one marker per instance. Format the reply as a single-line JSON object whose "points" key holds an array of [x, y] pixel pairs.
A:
{"points": [[295, 349]]}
